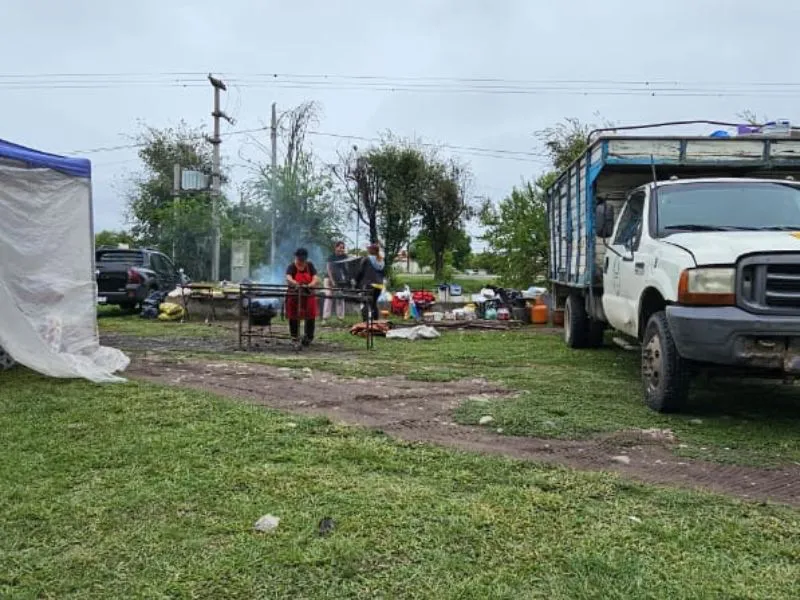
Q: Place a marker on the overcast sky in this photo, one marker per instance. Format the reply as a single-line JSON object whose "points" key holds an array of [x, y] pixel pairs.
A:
{"points": [[716, 53]]}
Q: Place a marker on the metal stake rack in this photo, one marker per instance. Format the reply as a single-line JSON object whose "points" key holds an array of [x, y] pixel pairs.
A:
{"points": [[251, 293]]}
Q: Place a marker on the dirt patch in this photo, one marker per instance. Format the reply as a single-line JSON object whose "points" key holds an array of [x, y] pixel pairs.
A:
{"points": [[422, 412]]}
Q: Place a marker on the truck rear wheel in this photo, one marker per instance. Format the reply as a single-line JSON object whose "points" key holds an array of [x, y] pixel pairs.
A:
{"points": [[576, 322], [665, 375], [580, 331]]}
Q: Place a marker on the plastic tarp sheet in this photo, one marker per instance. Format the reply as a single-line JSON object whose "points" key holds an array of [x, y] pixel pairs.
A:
{"points": [[48, 293], [420, 332]]}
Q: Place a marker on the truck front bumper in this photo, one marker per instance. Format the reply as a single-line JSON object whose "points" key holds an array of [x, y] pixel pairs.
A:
{"points": [[730, 336]]}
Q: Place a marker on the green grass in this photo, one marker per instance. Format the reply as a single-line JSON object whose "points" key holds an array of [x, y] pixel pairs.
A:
{"points": [[572, 394], [563, 393], [135, 491], [113, 320]]}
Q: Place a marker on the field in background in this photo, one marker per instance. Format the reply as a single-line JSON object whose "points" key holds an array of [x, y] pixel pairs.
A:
{"points": [[469, 284]]}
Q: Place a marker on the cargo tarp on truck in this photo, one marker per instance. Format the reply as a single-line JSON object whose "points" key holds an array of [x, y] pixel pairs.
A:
{"points": [[612, 166], [48, 295]]}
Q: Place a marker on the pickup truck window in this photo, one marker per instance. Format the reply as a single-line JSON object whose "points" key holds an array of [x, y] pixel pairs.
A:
{"points": [[728, 206], [629, 230], [168, 265], [159, 264], [120, 256]]}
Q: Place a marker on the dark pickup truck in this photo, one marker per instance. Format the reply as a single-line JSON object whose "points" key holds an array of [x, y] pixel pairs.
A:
{"points": [[125, 277]]}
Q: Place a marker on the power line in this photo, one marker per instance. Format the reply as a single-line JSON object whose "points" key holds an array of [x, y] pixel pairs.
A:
{"points": [[231, 75], [512, 154], [425, 144], [498, 153], [552, 91], [143, 144], [422, 85]]}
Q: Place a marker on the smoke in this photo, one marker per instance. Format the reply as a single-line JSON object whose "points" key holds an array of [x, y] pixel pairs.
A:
{"points": [[284, 256]]}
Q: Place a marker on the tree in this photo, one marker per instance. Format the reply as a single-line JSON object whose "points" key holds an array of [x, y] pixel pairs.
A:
{"points": [[751, 118], [457, 256], [486, 261], [443, 209], [419, 250], [516, 232], [402, 175], [566, 141], [306, 204], [462, 250], [113, 238], [383, 185], [157, 219]]}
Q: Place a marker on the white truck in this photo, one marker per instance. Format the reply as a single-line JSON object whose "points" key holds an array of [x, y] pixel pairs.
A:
{"points": [[689, 246]]}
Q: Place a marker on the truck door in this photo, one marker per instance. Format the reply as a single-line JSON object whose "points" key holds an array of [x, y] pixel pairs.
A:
{"points": [[620, 268]]}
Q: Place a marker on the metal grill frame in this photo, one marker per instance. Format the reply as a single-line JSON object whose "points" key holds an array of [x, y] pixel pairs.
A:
{"points": [[248, 291]]}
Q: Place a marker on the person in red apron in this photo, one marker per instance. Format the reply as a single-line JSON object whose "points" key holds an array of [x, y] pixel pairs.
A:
{"points": [[301, 300]]}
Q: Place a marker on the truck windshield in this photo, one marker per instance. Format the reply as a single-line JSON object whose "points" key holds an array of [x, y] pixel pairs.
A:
{"points": [[728, 206]]}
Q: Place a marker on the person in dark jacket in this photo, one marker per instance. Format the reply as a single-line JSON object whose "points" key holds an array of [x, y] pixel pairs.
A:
{"points": [[337, 277], [370, 277]]}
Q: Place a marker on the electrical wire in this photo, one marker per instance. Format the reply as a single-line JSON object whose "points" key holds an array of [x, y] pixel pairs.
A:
{"points": [[201, 75], [523, 156], [440, 85]]}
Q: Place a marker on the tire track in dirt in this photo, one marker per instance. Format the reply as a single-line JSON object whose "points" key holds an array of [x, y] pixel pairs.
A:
{"points": [[422, 412]]}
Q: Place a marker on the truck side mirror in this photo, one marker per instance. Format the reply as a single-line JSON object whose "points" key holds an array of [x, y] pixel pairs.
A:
{"points": [[604, 220]]}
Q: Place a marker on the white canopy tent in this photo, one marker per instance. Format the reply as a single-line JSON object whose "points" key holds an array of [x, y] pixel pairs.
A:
{"points": [[48, 293]]}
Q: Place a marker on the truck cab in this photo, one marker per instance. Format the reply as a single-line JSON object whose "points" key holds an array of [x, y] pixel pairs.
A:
{"points": [[701, 270]]}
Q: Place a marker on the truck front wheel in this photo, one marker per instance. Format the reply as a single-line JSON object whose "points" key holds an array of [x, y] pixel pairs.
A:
{"points": [[665, 375]]}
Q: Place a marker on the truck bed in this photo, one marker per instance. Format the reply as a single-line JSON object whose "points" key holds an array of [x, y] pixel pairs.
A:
{"points": [[612, 166]]}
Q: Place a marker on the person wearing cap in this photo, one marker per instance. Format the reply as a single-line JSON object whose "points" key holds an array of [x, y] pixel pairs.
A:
{"points": [[370, 277], [301, 301]]}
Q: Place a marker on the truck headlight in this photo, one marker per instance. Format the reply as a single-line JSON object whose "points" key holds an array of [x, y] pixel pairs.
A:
{"points": [[707, 286]]}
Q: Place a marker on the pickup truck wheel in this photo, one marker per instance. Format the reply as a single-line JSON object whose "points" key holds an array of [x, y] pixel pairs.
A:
{"points": [[576, 323], [665, 375]]}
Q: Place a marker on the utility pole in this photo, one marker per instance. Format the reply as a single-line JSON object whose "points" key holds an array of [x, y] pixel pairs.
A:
{"points": [[176, 190], [273, 193], [216, 181]]}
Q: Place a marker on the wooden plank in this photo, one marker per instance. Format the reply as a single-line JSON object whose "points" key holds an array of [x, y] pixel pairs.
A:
{"points": [[726, 151], [785, 150], [660, 150]]}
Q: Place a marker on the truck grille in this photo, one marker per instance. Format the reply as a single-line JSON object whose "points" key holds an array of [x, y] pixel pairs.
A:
{"points": [[770, 284]]}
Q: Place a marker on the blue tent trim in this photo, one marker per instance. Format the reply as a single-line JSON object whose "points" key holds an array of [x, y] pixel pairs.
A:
{"points": [[78, 167]]}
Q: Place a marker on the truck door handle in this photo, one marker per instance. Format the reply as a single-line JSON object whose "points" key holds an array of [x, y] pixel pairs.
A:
{"points": [[605, 266]]}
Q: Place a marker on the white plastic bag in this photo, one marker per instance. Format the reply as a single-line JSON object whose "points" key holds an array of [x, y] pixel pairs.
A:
{"points": [[420, 332]]}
